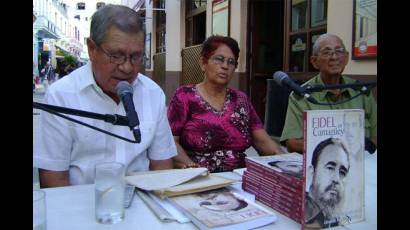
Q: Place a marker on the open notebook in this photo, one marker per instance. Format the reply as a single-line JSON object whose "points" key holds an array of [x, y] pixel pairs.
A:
{"points": [[174, 182]]}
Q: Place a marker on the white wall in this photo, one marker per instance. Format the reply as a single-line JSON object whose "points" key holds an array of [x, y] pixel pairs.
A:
{"points": [[173, 35], [340, 21], [238, 22]]}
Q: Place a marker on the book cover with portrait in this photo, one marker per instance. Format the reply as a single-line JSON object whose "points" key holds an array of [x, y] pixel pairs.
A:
{"points": [[222, 209], [333, 168]]}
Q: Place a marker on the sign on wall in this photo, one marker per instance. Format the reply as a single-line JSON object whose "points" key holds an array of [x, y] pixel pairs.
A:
{"points": [[364, 29]]}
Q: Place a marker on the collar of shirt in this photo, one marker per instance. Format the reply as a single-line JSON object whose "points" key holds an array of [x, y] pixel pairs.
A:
{"points": [[322, 95], [89, 80]]}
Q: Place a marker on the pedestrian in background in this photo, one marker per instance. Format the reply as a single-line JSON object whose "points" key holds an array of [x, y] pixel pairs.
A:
{"points": [[47, 73]]}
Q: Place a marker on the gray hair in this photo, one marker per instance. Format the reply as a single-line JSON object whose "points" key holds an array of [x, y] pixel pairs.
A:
{"points": [[118, 16], [316, 46]]}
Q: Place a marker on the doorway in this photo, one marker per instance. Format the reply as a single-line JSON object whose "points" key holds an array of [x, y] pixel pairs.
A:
{"points": [[264, 48]]}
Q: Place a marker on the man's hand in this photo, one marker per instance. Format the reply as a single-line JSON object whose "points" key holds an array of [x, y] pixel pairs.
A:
{"points": [[295, 145]]}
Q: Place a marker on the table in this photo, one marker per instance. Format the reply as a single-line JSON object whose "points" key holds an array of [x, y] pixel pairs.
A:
{"points": [[72, 207]]}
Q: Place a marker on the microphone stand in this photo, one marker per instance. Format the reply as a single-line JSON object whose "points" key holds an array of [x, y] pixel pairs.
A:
{"points": [[113, 119], [364, 88], [358, 86]]}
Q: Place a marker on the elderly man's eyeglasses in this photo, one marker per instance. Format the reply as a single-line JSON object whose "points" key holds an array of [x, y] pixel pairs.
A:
{"points": [[219, 60], [327, 53], [121, 59]]}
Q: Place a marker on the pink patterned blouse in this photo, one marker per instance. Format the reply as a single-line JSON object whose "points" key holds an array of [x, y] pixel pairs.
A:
{"points": [[214, 139]]}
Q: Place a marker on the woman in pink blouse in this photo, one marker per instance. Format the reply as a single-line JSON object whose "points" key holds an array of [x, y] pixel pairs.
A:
{"points": [[212, 124]]}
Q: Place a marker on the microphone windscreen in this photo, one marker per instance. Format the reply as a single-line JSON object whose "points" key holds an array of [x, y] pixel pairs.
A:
{"points": [[124, 87], [278, 77]]}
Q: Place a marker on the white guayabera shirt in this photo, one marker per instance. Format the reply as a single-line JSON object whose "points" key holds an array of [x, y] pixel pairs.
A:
{"points": [[65, 145]]}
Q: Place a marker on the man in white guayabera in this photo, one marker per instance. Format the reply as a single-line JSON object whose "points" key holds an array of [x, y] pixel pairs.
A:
{"points": [[65, 152], [329, 169]]}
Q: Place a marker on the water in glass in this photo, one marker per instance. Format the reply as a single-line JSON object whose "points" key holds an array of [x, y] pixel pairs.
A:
{"points": [[109, 203]]}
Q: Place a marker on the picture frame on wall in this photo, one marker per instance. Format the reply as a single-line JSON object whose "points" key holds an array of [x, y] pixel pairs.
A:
{"points": [[220, 17], [364, 42]]}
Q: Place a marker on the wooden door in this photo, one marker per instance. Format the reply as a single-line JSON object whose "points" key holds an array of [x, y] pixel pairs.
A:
{"points": [[265, 47]]}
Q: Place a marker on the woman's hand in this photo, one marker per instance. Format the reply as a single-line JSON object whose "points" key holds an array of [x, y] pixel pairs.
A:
{"points": [[182, 160], [264, 144], [184, 165]]}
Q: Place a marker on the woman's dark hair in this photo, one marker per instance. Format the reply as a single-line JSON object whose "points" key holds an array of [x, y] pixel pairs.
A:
{"points": [[213, 42]]}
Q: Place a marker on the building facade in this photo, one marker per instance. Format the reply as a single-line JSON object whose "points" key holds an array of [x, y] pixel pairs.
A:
{"points": [[272, 34], [82, 10], [55, 32]]}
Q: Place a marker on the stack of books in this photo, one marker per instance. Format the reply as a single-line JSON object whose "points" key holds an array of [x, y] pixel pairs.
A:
{"points": [[276, 181]]}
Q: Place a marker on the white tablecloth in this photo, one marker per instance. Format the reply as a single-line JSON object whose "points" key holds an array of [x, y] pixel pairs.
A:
{"points": [[72, 207]]}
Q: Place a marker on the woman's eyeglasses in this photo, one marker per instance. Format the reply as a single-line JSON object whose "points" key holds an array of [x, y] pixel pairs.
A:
{"points": [[219, 60]]}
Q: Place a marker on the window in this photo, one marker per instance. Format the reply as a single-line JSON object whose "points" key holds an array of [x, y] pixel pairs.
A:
{"points": [[77, 17], [195, 22], [81, 6], [100, 4], [308, 19], [298, 15]]}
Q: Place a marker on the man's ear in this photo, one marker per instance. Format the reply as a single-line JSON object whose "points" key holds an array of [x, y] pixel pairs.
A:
{"points": [[92, 48], [313, 60]]}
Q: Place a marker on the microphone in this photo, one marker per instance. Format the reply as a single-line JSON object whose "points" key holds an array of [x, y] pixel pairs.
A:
{"points": [[369, 145], [125, 91], [282, 78]]}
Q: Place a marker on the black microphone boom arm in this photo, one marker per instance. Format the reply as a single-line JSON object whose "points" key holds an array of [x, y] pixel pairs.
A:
{"points": [[358, 85], [113, 119]]}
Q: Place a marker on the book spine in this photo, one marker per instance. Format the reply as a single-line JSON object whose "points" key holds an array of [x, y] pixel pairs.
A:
{"points": [[246, 186], [278, 194], [285, 211], [289, 209], [305, 117], [271, 183], [282, 197], [269, 172], [274, 199]]}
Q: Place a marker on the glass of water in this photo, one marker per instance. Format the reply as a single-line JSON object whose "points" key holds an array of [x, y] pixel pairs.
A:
{"points": [[109, 192], [39, 210]]}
